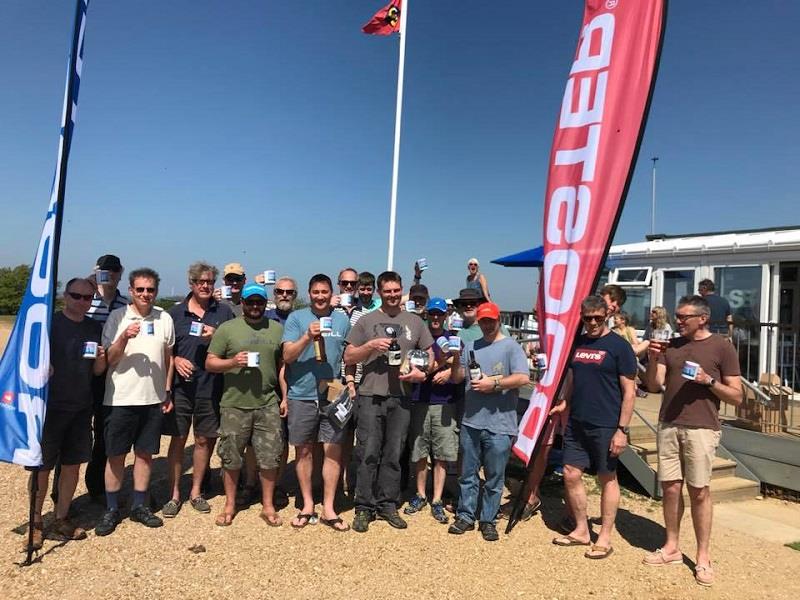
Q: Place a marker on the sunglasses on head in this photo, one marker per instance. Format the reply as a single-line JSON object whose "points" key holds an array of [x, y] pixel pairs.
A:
{"points": [[593, 318], [142, 290], [77, 296]]}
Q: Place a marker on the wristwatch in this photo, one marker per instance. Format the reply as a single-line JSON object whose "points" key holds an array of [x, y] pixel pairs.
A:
{"points": [[625, 430]]}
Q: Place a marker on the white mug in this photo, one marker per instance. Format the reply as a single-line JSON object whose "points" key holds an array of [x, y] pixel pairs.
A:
{"points": [[253, 359], [225, 290], [196, 329], [89, 349], [269, 277], [325, 325], [422, 263], [346, 300], [689, 370]]}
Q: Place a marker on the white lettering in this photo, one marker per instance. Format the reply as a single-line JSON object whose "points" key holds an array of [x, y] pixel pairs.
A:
{"points": [[574, 224], [35, 375], [586, 155], [571, 260], [40, 286], [556, 334], [594, 62], [584, 115], [33, 409]]}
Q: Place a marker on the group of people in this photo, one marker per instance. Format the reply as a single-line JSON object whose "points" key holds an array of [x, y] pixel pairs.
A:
{"points": [[365, 364]]}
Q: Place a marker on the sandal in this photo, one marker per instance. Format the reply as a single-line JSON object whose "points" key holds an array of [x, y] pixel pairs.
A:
{"points": [[271, 519], [223, 519], [333, 524], [604, 552], [568, 540], [305, 519]]}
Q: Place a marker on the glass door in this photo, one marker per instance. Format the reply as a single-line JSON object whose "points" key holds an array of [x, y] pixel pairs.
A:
{"points": [[677, 284]]}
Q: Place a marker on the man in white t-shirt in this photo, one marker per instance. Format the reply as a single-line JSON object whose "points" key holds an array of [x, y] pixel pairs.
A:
{"points": [[139, 339]]}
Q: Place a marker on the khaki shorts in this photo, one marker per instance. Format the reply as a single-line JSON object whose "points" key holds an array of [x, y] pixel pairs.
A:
{"points": [[258, 427], [433, 430], [686, 453]]}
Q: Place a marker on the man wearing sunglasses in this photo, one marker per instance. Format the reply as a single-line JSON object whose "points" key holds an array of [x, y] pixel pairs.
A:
{"points": [[234, 277], [348, 284], [600, 392], [688, 424], [284, 293], [67, 432], [248, 351], [467, 303], [107, 298], [196, 392], [139, 339]]}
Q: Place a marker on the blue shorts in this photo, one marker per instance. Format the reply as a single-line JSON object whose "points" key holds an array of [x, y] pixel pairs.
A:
{"points": [[586, 447]]}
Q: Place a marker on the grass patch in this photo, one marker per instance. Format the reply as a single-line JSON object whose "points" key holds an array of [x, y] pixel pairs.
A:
{"points": [[794, 546]]}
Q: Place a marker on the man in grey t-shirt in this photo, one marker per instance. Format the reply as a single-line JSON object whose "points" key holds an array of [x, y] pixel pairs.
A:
{"points": [[490, 420], [383, 401]]}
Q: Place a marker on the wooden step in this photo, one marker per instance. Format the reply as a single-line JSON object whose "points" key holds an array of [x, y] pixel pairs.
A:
{"points": [[730, 489], [641, 433]]}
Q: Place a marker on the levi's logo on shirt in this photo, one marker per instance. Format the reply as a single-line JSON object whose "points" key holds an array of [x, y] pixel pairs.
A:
{"points": [[588, 356]]}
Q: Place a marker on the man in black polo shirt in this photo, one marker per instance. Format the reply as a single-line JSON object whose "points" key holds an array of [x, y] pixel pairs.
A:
{"points": [[720, 321], [197, 392], [600, 392]]}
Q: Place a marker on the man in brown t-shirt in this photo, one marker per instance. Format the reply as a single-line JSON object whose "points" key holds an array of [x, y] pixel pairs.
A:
{"points": [[699, 369], [384, 409]]}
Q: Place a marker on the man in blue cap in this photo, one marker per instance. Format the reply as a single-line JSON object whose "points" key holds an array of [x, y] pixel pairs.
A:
{"points": [[433, 416], [248, 351]]}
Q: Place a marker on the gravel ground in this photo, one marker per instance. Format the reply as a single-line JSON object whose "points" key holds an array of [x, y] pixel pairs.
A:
{"points": [[250, 559]]}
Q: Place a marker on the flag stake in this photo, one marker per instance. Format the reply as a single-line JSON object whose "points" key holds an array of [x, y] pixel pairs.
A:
{"points": [[397, 121]]}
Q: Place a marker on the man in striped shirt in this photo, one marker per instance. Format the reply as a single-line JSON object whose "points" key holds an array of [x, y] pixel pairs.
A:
{"points": [[107, 274]]}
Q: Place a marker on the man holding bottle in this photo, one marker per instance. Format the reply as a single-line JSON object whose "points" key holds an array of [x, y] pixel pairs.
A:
{"points": [[380, 340]]}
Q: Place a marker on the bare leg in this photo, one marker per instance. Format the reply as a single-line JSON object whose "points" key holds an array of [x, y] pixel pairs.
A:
{"points": [[230, 477], [702, 513], [66, 489], [41, 494], [331, 469], [268, 478], [421, 471], [439, 476], [175, 465], [203, 447], [576, 498], [609, 502], [673, 513], [142, 466], [537, 468], [303, 467], [115, 469]]}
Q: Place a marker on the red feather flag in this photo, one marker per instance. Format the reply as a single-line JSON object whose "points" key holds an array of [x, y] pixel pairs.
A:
{"points": [[386, 21]]}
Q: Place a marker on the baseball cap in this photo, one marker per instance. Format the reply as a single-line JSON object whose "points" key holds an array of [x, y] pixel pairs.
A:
{"points": [[109, 262], [233, 269], [436, 304], [253, 289], [488, 310]]}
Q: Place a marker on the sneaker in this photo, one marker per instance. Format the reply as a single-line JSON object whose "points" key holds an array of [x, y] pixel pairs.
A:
{"points": [[393, 518], [437, 511], [65, 529], [416, 504], [489, 532], [142, 514], [108, 522], [460, 526], [171, 509], [362, 520]]}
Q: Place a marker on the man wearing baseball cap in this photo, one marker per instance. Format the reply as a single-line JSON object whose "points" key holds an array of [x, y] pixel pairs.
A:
{"points": [[489, 424], [248, 351], [233, 276]]}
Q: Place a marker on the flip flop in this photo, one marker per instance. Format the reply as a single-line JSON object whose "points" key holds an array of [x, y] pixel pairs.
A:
{"points": [[605, 552], [223, 520], [307, 518], [271, 519], [332, 523], [568, 540]]}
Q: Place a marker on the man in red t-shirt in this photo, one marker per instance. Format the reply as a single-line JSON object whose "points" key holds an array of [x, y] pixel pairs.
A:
{"points": [[699, 369]]}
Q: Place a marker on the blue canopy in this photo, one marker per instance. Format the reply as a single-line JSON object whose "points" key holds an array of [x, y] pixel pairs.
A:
{"points": [[526, 258]]}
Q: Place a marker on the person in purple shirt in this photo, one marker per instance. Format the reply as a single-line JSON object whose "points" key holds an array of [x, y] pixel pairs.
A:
{"points": [[433, 418]]}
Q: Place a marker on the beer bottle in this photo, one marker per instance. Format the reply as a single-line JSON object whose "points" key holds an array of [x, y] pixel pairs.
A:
{"points": [[475, 372], [319, 349], [394, 355]]}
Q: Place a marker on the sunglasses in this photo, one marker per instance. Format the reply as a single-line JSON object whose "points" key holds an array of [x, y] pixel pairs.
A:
{"points": [[229, 279], [348, 282], [282, 292], [593, 318], [256, 302], [142, 290], [685, 317], [202, 282], [77, 296]]}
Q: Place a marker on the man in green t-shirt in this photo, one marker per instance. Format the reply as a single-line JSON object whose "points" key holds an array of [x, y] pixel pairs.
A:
{"points": [[248, 351]]}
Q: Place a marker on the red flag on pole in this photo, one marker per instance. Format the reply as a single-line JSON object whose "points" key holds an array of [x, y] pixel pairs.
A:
{"points": [[386, 21], [595, 145]]}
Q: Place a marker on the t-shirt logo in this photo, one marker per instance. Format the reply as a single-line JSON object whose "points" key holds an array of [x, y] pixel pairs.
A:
{"points": [[588, 356]]}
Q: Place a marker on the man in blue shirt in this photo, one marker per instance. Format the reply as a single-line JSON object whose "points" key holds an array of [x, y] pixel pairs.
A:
{"points": [[489, 424], [313, 344], [599, 392]]}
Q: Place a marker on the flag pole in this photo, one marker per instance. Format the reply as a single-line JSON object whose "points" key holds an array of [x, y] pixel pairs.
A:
{"points": [[398, 119]]}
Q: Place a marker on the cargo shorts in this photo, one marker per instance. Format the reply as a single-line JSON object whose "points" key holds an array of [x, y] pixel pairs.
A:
{"points": [[259, 427], [433, 430]]}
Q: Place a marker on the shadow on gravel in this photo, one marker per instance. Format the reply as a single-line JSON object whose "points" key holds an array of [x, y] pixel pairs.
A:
{"points": [[639, 531]]}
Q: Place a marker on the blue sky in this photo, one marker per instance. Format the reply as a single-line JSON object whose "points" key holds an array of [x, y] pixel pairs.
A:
{"points": [[262, 132]]}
